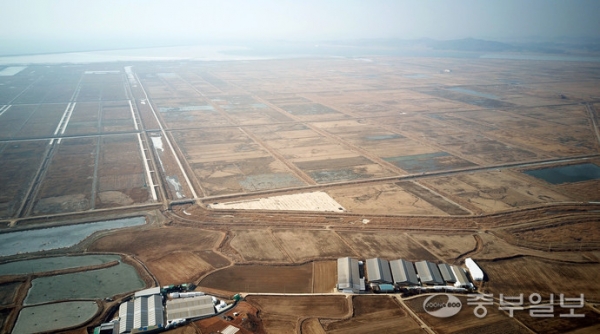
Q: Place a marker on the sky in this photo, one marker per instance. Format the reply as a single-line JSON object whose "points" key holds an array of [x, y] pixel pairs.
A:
{"points": [[305, 20]]}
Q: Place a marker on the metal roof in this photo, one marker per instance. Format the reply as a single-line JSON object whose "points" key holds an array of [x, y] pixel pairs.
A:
{"points": [[378, 270], [429, 273], [188, 308], [446, 272], [125, 317], [348, 275], [403, 272], [148, 292], [148, 311], [461, 277]]}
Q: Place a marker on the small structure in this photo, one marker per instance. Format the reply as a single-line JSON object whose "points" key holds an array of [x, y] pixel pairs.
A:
{"points": [[147, 292], [461, 278], [403, 273], [378, 271], [108, 328], [429, 274], [348, 275], [447, 273], [189, 308], [476, 272]]}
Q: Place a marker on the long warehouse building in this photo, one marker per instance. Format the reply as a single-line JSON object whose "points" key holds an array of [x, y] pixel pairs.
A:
{"points": [[348, 275], [147, 311], [403, 273], [378, 271], [429, 273]]}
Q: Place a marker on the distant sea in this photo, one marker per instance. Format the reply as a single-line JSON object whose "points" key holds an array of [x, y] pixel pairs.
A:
{"points": [[230, 53]]}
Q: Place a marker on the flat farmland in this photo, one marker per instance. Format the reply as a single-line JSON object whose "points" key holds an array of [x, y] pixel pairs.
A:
{"points": [[465, 321], [304, 245], [389, 246], [375, 314], [189, 113], [261, 278], [258, 245], [68, 182], [228, 161], [19, 162], [533, 275], [143, 244], [245, 110], [174, 180], [321, 158], [448, 247], [556, 324], [386, 197], [101, 86], [493, 191], [41, 122], [85, 119], [179, 267], [324, 276], [116, 117], [120, 173]]}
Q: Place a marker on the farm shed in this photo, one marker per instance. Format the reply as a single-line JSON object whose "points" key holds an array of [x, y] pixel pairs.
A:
{"points": [[461, 278], [188, 308], [476, 272], [447, 273], [348, 275], [378, 271], [403, 272], [429, 273], [144, 311]]}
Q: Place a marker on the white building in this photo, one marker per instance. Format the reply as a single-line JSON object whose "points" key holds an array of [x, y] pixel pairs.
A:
{"points": [[476, 272]]}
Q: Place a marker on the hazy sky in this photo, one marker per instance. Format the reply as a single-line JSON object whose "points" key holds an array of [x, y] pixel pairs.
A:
{"points": [[301, 19]]}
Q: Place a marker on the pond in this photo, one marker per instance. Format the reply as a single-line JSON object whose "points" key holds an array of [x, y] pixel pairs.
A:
{"points": [[12, 243], [91, 284], [52, 317], [54, 263], [567, 174]]}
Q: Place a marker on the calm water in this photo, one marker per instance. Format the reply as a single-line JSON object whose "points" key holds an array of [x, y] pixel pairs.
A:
{"points": [[51, 317], [567, 174], [58, 237], [54, 263]]}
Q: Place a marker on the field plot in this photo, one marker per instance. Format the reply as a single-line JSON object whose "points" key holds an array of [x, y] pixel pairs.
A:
{"points": [[460, 141], [120, 173], [14, 119], [281, 314], [228, 161], [102, 86], [142, 243], [387, 197], [531, 133], [261, 278], [258, 245], [189, 113], [492, 191], [42, 122], [68, 184], [178, 267], [532, 275], [18, 165], [324, 276], [321, 158], [86, 118], [245, 110], [116, 117], [304, 245], [448, 247], [386, 245], [465, 321], [589, 323], [389, 102], [375, 314]]}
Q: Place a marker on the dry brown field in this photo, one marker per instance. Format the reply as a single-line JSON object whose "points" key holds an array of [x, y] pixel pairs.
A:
{"points": [[446, 246], [557, 324], [305, 245], [261, 278], [465, 321], [386, 197], [533, 275], [324, 276], [282, 315], [258, 245], [175, 268], [387, 245], [493, 191], [375, 314], [247, 322]]}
